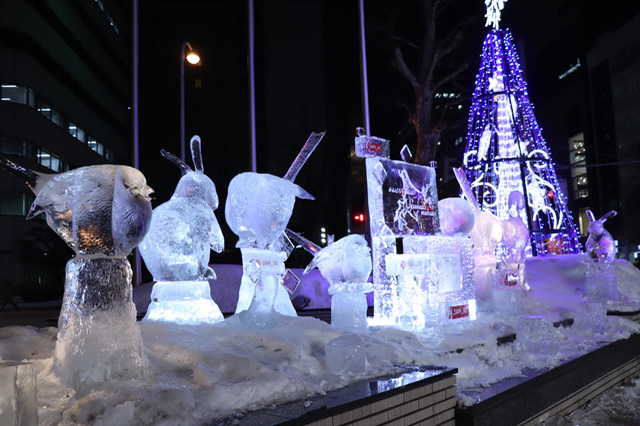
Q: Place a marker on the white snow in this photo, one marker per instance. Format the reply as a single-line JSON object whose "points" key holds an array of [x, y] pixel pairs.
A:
{"points": [[207, 372]]}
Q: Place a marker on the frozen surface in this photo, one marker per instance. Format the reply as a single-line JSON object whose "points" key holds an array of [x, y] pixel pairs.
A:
{"points": [[183, 302], [206, 372], [18, 398], [97, 209], [184, 230], [99, 339]]}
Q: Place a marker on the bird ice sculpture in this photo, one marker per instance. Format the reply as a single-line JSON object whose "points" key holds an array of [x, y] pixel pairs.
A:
{"points": [[102, 212], [257, 209], [346, 265], [176, 250]]}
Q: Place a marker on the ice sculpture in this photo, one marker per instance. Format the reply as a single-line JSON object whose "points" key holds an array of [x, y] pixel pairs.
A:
{"points": [[346, 265], [102, 212], [510, 282], [182, 233], [456, 217], [18, 397], [486, 235], [601, 248], [405, 223], [257, 210]]}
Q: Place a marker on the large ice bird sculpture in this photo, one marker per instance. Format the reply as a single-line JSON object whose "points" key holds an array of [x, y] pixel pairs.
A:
{"points": [[176, 250], [346, 265], [257, 210], [102, 212]]}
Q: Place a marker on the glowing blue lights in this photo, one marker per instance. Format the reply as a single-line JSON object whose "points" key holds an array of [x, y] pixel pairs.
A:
{"points": [[506, 151]]}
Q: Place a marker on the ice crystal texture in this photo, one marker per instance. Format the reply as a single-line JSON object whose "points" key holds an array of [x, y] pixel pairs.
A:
{"points": [[97, 210], [184, 230], [98, 339]]}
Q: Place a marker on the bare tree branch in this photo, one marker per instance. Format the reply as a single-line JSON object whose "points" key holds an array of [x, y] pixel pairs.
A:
{"points": [[401, 66]]}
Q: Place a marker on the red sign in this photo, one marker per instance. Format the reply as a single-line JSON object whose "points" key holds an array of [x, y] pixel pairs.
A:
{"points": [[510, 280], [458, 311]]}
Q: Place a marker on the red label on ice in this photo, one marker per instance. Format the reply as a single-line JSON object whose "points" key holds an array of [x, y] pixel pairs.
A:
{"points": [[458, 311], [375, 147], [510, 280]]}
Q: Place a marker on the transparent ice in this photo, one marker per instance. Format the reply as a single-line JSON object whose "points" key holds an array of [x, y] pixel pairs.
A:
{"points": [[345, 355], [403, 201], [257, 210], [184, 230], [99, 210], [486, 236], [601, 248], [456, 217], [102, 212], [510, 280], [600, 245], [346, 265], [18, 396], [448, 290], [591, 317], [370, 146]]}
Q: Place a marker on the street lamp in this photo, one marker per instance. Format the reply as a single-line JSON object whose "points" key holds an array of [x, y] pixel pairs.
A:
{"points": [[193, 58]]}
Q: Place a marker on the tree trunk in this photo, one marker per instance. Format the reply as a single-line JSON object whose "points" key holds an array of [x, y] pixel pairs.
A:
{"points": [[426, 133]]}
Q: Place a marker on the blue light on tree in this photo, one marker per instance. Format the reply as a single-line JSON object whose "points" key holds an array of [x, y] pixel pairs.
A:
{"points": [[506, 151]]}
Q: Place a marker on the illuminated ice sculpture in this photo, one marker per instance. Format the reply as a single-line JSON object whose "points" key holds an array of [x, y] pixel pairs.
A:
{"points": [[404, 222], [176, 250], [601, 248], [346, 265], [257, 210], [510, 281], [102, 212], [486, 236]]}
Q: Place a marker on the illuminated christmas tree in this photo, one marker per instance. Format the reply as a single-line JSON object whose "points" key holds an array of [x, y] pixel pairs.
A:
{"points": [[506, 151]]}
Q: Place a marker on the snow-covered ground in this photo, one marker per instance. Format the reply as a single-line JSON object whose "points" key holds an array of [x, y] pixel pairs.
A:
{"points": [[202, 373]]}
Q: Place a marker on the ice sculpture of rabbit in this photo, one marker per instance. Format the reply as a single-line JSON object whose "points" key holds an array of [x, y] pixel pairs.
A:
{"points": [[600, 245], [184, 229]]}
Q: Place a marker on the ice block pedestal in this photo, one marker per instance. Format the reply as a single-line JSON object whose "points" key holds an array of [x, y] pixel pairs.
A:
{"points": [[601, 281], [98, 338], [183, 302], [18, 397], [265, 268], [349, 310]]}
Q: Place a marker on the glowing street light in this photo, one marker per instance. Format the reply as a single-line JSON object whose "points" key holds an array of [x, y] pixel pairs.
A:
{"points": [[193, 58]]}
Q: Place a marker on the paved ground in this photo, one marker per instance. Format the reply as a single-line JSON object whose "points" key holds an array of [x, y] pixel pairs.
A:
{"points": [[36, 314]]}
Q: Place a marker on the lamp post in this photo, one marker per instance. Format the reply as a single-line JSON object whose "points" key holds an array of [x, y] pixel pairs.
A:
{"points": [[193, 58]]}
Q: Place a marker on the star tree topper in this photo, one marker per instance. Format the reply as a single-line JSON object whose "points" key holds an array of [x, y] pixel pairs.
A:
{"points": [[494, 7]]}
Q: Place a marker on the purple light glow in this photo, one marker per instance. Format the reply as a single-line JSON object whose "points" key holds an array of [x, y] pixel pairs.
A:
{"points": [[506, 151]]}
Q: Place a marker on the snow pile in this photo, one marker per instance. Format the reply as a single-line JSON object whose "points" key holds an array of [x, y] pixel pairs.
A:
{"points": [[211, 371]]}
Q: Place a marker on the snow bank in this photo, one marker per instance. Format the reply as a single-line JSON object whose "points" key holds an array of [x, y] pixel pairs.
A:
{"points": [[202, 373]]}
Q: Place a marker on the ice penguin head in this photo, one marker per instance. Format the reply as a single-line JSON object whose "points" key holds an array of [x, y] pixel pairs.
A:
{"points": [[259, 206], [97, 210]]}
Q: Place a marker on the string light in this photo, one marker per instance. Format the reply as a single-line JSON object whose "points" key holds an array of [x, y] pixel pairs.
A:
{"points": [[506, 151]]}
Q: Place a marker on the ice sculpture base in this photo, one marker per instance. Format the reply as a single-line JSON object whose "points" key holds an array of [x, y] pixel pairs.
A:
{"points": [[18, 396], [98, 338], [591, 317], [601, 281], [349, 312], [345, 355], [183, 302]]}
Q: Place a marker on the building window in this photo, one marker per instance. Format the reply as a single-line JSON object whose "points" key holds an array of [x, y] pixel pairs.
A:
{"points": [[15, 203], [577, 161], [39, 155], [26, 96]]}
